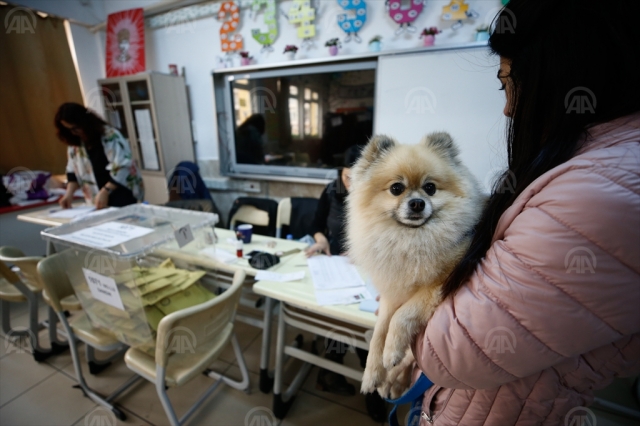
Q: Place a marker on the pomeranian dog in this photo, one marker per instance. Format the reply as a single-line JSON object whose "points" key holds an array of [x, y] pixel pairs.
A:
{"points": [[411, 212]]}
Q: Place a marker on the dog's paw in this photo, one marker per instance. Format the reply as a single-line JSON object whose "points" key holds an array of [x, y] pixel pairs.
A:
{"points": [[372, 378], [392, 356], [384, 390]]}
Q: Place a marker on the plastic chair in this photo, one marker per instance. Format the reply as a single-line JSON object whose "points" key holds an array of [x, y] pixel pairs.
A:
{"points": [[249, 214], [24, 286], [284, 215], [56, 283], [187, 342], [300, 211]]}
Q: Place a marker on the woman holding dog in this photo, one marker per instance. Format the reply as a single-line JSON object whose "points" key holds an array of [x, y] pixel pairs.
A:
{"points": [[543, 308]]}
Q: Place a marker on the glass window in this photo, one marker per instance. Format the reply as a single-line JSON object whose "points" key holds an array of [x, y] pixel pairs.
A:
{"points": [[293, 90], [293, 116]]}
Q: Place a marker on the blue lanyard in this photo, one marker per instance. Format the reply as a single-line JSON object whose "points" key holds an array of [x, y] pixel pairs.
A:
{"points": [[414, 396]]}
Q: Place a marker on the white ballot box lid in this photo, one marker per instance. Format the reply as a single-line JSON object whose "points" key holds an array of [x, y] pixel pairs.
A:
{"points": [[131, 231]]}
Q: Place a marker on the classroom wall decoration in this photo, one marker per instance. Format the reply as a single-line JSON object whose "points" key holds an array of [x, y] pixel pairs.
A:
{"points": [[125, 43], [267, 38], [404, 16], [458, 11], [301, 12], [352, 24], [230, 14]]}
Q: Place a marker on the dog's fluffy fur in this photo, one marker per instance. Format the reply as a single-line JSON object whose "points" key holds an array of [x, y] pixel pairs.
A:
{"points": [[408, 253]]}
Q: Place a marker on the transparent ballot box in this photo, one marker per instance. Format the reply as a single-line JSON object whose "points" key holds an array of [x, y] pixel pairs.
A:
{"points": [[122, 267]]}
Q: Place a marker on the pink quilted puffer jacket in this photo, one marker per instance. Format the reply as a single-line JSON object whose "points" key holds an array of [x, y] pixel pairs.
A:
{"points": [[553, 310]]}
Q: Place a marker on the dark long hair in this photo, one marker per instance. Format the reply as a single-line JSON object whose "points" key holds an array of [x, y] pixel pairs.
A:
{"points": [[572, 66], [84, 118]]}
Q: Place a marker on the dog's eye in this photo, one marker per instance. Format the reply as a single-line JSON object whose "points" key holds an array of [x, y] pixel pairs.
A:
{"points": [[430, 188], [397, 189]]}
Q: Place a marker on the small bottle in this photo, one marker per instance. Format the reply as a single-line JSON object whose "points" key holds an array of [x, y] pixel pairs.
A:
{"points": [[239, 249]]}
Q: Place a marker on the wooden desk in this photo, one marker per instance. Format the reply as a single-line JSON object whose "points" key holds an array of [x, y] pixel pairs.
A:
{"points": [[299, 309]]}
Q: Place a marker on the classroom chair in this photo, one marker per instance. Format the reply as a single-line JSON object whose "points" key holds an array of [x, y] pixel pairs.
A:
{"points": [[24, 285], [56, 282], [297, 215], [259, 212], [187, 343]]}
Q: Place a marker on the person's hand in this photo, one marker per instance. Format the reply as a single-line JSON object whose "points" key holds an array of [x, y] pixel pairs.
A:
{"points": [[66, 200], [101, 199], [322, 245]]}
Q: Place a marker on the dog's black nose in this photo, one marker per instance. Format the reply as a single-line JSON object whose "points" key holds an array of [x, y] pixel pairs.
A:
{"points": [[416, 205]]}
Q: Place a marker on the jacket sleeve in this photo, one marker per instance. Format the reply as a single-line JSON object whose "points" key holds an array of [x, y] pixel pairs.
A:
{"points": [[563, 280]]}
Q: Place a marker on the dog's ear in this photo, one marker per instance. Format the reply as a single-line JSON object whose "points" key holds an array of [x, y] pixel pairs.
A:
{"points": [[377, 147], [443, 144]]}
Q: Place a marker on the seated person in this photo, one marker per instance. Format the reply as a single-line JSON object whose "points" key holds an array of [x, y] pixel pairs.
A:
{"points": [[329, 234]]}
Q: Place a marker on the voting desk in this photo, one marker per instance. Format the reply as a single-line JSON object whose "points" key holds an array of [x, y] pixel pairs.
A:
{"points": [[299, 309]]}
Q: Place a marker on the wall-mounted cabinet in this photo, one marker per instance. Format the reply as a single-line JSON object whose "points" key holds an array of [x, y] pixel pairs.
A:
{"points": [[151, 111]]}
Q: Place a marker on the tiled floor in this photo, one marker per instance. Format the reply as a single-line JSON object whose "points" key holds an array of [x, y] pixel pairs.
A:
{"points": [[43, 394]]}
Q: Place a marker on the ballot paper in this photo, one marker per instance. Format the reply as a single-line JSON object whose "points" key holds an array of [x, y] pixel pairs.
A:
{"points": [[72, 212], [219, 254], [281, 278], [332, 272], [107, 234], [342, 296]]}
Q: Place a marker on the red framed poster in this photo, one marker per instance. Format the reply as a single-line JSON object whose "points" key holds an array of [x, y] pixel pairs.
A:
{"points": [[125, 43]]}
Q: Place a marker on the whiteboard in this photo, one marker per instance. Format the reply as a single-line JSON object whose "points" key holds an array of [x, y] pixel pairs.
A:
{"points": [[449, 90]]}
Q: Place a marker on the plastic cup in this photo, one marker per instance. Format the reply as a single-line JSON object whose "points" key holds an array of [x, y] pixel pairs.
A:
{"points": [[246, 231]]}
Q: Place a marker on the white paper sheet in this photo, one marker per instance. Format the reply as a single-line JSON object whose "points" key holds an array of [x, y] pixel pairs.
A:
{"points": [[342, 296], [72, 212], [103, 288], [145, 136], [281, 278], [330, 272], [107, 234], [220, 255]]}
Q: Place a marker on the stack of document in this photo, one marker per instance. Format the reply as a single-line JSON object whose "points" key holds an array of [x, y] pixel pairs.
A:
{"points": [[336, 281]]}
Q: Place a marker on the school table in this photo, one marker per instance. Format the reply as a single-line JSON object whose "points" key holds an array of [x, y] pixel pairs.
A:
{"points": [[299, 309]]}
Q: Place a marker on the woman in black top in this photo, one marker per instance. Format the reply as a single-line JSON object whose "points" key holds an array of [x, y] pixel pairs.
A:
{"points": [[329, 222], [329, 227]]}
